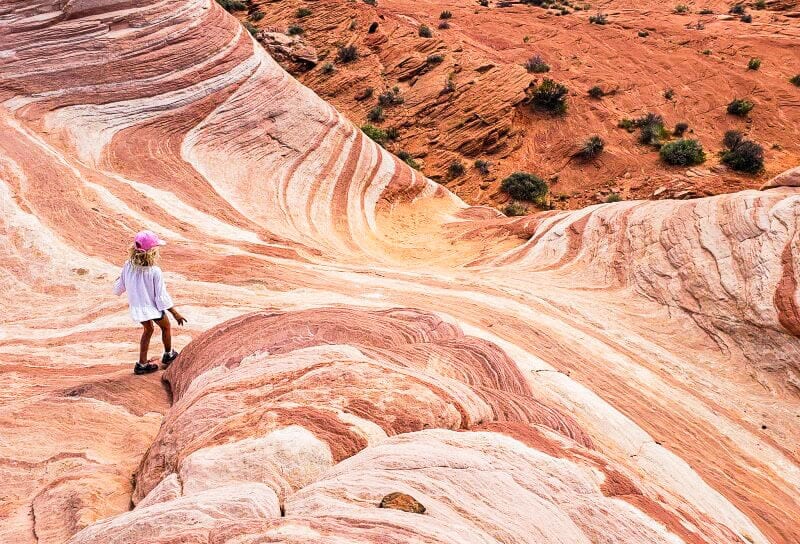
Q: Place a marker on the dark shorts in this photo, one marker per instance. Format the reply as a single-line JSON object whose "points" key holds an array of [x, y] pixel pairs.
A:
{"points": [[163, 315]]}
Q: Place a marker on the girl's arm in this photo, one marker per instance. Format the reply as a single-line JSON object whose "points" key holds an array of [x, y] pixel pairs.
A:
{"points": [[119, 284], [162, 298]]}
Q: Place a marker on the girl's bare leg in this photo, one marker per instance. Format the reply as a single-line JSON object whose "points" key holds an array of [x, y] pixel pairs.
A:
{"points": [[144, 343], [166, 332]]}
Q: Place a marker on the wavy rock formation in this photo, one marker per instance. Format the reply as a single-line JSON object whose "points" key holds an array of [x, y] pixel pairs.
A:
{"points": [[623, 373]]}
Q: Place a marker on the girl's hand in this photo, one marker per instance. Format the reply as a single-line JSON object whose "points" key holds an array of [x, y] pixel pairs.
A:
{"points": [[180, 319]]}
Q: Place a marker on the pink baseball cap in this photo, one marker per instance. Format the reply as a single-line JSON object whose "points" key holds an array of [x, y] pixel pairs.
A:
{"points": [[147, 240]]}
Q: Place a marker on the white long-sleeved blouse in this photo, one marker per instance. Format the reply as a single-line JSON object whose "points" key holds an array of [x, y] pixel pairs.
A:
{"points": [[147, 293]]}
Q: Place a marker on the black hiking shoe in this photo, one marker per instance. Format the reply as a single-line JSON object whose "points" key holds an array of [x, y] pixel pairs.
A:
{"points": [[167, 358], [146, 368]]}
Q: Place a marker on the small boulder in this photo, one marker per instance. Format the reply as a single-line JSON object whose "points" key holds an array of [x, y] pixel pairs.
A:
{"points": [[401, 501]]}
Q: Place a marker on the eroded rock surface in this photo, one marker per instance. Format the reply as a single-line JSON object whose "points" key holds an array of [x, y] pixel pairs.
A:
{"points": [[623, 373]]}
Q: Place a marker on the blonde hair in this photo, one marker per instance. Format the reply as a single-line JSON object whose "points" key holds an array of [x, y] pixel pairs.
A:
{"points": [[138, 257]]}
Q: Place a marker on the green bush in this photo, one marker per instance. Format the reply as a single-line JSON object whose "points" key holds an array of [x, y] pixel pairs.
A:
{"points": [[706, 11], [525, 186], [549, 96], [669, 94], [390, 97], [592, 147], [232, 5], [737, 9], [328, 68], [514, 209], [754, 64], [613, 197], [378, 135], [392, 133], [742, 155], [365, 94], [795, 80], [443, 25], [347, 53], [651, 129], [445, 15], [435, 58], [596, 92], [761, 4], [406, 157], [746, 18], [599, 19], [376, 114], [537, 65], [455, 169], [682, 153], [256, 15], [681, 9], [482, 166], [484, 3], [302, 12], [643, 33], [425, 31], [250, 28], [371, 2], [740, 107], [680, 129], [627, 124], [294, 30]]}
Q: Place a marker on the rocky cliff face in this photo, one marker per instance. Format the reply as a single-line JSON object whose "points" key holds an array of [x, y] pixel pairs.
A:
{"points": [[623, 373], [464, 88]]}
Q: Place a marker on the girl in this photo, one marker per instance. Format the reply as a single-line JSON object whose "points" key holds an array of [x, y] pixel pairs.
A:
{"points": [[148, 298]]}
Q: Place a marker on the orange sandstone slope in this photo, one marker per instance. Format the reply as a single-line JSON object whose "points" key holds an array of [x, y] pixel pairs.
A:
{"points": [[702, 58], [623, 373]]}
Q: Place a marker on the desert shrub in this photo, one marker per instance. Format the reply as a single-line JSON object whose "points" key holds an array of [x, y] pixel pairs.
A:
{"points": [[681, 8], [445, 15], [613, 197], [680, 129], [482, 166], [754, 64], [353, 24], [514, 209], [537, 65], [392, 133], [549, 96], [302, 12], [747, 18], [525, 186], [737, 9], [591, 147], [643, 33], [328, 68], [596, 92], [294, 30], [378, 135], [706, 52], [443, 25], [455, 169], [373, 26], [425, 31], [250, 28], [740, 107], [376, 114], [682, 152], [732, 138], [795, 80], [706, 11], [256, 15], [365, 94], [627, 124], [761, 4], [651, 129], [669, 94], [406, 157], [371, 2], [347, 53], [390, 97], [435, 58], [742, 155], [599, 19], [232, 5], [484, 3]]}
